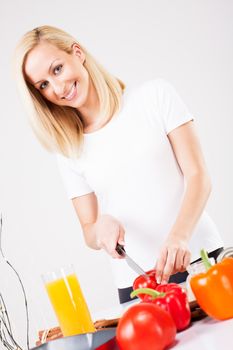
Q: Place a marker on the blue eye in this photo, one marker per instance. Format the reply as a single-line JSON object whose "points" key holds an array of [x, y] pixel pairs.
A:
{"points": [[57, 69], [43, 85]]}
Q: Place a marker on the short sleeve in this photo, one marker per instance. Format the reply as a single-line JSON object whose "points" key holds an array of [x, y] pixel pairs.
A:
{"points": [[73, 177], [170, 108]]}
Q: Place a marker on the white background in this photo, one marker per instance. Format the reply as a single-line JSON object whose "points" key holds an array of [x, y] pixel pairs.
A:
{"points": [[189, 43]]}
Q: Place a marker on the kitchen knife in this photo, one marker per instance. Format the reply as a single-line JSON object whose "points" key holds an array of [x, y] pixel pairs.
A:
{"points": [[132, 264]]}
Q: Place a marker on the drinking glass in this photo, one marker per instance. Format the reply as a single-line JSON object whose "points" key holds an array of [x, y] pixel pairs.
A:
{"points": [[68, 302]]}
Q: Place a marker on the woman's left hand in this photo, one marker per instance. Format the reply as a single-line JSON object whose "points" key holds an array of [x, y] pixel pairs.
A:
{"points": [[174, 257]]}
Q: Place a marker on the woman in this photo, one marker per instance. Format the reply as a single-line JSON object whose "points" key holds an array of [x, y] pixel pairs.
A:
{"points": [[130, 160]]}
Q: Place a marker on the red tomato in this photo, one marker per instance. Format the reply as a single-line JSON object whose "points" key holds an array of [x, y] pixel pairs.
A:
{"points": [[145, 326], [145, 282]]}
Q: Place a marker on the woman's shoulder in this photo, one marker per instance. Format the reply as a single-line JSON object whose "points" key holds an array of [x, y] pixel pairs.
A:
{"points": [[150, 86], [65, 161]]}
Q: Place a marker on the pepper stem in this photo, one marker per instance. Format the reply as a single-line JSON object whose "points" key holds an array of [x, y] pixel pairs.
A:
{"points": [[148, 291], [205, 259]]}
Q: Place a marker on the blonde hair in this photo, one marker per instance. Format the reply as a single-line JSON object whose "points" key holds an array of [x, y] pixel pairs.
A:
{"points": [[59, 128]]}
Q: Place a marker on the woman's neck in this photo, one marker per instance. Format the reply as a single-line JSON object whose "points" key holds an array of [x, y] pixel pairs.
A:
{"points": [[90, 112]]}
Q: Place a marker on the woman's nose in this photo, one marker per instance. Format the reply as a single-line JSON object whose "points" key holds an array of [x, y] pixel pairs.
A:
{"points": [[59, 88]]}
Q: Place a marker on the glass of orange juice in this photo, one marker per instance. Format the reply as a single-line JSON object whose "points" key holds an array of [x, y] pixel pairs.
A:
{"points": [[68, 302]]}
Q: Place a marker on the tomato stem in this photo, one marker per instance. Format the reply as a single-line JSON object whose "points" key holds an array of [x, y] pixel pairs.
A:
{"points": [[148, 291]]}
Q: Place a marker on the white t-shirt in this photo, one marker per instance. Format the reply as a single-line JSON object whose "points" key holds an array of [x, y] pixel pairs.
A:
{"points": [[130, 165]]}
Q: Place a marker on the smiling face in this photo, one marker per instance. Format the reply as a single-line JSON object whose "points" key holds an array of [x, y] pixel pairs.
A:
{"points": [[60, 77]]}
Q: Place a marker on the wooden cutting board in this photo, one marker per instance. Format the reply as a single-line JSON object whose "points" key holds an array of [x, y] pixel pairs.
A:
{"points": [[196, 314]]}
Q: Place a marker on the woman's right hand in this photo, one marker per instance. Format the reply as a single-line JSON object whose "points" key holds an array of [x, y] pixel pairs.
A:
{"points": [[100, 232], [108, 232]]}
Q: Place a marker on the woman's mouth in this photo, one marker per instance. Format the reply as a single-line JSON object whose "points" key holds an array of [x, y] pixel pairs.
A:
{"points": [[72, 93]]}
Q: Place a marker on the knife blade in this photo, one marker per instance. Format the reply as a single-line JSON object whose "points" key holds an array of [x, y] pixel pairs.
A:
{"points": [[131, 263]]}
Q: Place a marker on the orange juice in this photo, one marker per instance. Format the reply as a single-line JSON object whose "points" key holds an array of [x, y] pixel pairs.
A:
{"points": [[69, 305]]}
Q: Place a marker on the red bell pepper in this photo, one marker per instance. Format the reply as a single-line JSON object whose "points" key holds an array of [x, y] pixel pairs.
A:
{"points": [[170, 297], [214, 288], [145, 326], [148, 281]]}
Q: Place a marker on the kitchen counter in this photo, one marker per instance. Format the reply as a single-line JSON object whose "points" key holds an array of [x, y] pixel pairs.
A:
{"points": [[206, 334]]}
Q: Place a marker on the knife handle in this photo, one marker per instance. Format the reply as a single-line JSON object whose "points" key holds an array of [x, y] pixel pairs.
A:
{"points": [[120, 249]]}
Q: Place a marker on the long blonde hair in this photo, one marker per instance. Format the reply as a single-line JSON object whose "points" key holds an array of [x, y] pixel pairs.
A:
{"points": [[59, 128]]}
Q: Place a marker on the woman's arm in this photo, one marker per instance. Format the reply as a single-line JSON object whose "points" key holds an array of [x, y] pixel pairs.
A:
{"points": [[86, 208], [100, 231], [175, 255]]}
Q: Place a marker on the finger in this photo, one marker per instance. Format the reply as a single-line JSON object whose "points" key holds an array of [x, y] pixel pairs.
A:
{"points": [[110, 248], [117, 235], [121, 241], [169, 266], [187, 259], [160, 264], [121, 238], [114, 254], [179, 262]]}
